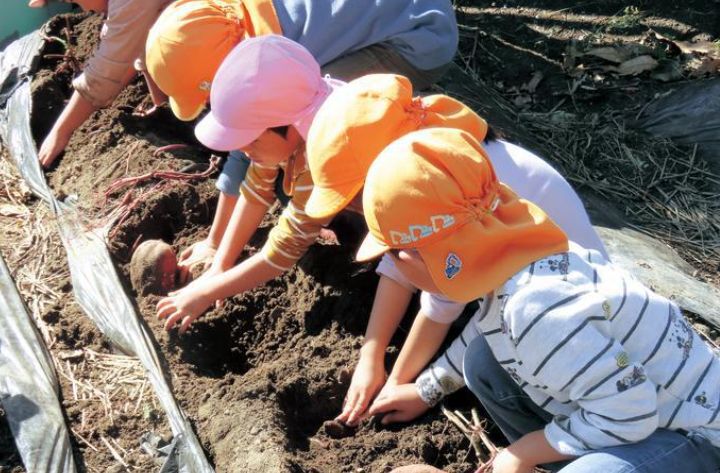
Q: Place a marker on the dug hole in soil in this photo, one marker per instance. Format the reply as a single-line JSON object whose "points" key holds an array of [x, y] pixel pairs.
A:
{"points": [[260, 376]]}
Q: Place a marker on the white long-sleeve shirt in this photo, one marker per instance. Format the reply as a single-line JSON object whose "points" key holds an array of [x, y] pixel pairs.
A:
{"points": [[610, 359], [532, 179]]}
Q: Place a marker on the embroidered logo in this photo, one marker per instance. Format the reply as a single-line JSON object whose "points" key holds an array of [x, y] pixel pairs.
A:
{"points": [[204, 86], [418, 232], [453, 265], [622, 359], [606, 309]]}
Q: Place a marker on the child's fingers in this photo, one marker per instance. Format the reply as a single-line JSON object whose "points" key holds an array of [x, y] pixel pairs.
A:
{"points": [[185, 254], [174, 318], [359, 408], [165, 307], [186, 322], [184, 273], [382, 405], [397, 416], [348, 406]]}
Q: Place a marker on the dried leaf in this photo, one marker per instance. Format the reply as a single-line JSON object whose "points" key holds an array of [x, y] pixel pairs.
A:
{"points": [[12, 210], [522, 101], [531, 86], [686, 47], [619, 54], [634, 66], [615, 55], [708, 65], [668, 71]]}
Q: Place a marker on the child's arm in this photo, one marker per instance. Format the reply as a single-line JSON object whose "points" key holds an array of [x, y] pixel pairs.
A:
{"points": [[399, 400], [185, 306], [75, 113], [205, 250], [391, 302], [421, 345], [294, 233], [527, 452]]}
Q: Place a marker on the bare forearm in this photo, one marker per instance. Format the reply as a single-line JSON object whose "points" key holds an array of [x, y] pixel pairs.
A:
{"points": [[422, 343], [533, 449], [158, 96], [391, 302], [225, 207], [245, 219], [247, 275], [76, 112]]}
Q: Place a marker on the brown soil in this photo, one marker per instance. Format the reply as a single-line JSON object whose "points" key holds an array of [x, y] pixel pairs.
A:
{"points": [[260, 377]]}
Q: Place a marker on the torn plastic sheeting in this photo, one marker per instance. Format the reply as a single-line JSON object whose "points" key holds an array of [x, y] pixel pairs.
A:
{"points": [[28, 387], [96, 285]]}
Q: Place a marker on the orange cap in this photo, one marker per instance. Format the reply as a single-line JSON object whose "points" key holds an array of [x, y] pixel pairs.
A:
{"points": [[358, 121], [186, 46], [435, 191]]}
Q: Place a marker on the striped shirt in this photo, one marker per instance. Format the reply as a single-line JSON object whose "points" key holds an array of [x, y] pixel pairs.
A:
{"points": [[295, 231], [610, 359]]}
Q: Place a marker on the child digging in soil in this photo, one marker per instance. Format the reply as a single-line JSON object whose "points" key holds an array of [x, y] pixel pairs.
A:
{"points": [[347, 38], [290, 96], [109, 69], [281, 83], [575, 361], [352, 127]]}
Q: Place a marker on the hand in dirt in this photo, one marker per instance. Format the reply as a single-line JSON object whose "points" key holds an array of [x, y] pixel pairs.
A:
{"points": [[52, 146], [195, 259], [182, 308], [399, 403], [141, 111], [367, 380]]}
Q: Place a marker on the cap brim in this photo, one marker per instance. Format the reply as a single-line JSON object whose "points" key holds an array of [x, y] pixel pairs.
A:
{"points": [[325, 201], [214, 135], [370, 249], [187, 110], [476, 273]]}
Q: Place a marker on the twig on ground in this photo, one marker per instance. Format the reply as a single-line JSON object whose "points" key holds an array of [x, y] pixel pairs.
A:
{"points": [[477, 435]]}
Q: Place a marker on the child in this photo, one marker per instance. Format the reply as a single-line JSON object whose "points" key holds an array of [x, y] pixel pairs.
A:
{"points": [[577, 361], [273, 135], [109, 69], [349, 131], [348, 38]]}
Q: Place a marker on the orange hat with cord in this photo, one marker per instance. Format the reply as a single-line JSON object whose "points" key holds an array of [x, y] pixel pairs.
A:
{"points": [[191, 38], [357, 121], [435, 191]]}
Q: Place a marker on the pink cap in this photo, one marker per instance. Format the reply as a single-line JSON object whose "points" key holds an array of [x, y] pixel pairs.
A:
{"points": [[264, 82]]}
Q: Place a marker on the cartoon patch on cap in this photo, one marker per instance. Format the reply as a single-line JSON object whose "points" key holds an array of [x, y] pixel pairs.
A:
{"points": [[453, 265]]}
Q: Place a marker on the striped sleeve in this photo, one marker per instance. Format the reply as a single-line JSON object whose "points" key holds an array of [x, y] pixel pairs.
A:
{"points": [[295, 231], [444, 376], [259, 185], [562, 341]]}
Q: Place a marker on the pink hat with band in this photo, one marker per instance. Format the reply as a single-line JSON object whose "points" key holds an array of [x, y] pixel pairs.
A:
{"points": [[264, 82]]}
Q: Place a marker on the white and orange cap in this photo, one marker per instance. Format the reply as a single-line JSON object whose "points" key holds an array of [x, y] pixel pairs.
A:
{"points": [[435, 191]]}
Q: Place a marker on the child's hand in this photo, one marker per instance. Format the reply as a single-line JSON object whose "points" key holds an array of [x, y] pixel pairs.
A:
{"points": [[507, 462], [183, 307], [53, 144], [367, 380], [199, 253], [399, 403]]}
